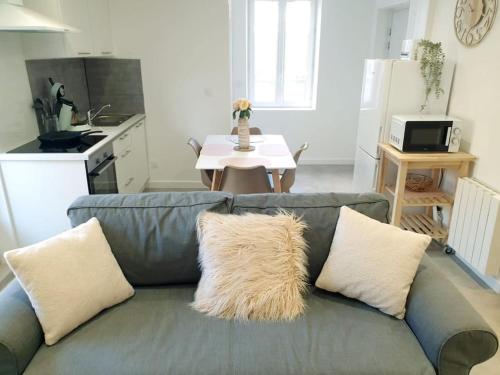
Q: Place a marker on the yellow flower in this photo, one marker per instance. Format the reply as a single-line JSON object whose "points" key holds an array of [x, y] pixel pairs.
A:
{"points": [[236, 105], [244, 104]]}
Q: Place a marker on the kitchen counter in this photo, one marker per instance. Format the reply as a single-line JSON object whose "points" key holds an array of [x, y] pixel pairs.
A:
{"points": [[111, 132], [36, 186]]}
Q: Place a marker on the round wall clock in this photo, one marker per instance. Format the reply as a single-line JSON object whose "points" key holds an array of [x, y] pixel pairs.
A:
{"points": [[473, 20]]}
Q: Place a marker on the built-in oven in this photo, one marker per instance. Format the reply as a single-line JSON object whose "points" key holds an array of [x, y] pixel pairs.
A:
{"points": [[425, 133], [101, 171]]}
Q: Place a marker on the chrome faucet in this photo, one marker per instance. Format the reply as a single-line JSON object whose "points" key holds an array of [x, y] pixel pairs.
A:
{"points": [[90, 117]]}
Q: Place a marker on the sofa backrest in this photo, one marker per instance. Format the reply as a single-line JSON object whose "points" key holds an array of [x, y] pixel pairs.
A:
{"points": [[320, 211], [153, 235]]}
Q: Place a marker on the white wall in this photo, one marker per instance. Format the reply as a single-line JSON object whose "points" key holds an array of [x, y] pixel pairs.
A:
{"points": [[475, 95], [18, 122], [331, 128], [184, 52]]}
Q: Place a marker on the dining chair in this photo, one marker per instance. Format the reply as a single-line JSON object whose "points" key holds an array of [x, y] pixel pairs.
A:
{"points": [[253, 131], [206, 174], [251, 180], [288, 177]]}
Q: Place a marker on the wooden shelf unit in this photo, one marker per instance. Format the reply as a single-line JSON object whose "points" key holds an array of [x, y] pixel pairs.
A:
{"points": [[422, 199], [405, 161], [421, 223]]}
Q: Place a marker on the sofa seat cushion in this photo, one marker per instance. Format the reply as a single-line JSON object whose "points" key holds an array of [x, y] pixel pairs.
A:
{"points": [[156, 332]]}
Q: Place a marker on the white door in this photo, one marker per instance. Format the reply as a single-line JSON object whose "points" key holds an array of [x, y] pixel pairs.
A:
{"points": [[365, 172], [376, 80], [399, 27]]}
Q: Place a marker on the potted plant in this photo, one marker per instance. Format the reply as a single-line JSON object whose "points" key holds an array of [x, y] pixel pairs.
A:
{"points": [[242, 109], [431, 57]]}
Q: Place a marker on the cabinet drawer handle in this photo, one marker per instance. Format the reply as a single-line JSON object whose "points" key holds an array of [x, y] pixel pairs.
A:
{"points": [[84, 53], [123, 137], [129, 181], [126, 153], [139, 125], [107, 53]]}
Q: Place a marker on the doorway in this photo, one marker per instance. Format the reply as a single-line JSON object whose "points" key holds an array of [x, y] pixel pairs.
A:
{"points": [[398, 29], [390, 29]]}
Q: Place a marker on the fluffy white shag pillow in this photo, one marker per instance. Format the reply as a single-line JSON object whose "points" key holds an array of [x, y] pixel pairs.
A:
{"points": [[254, 267], [69, 278], [372, 262]]}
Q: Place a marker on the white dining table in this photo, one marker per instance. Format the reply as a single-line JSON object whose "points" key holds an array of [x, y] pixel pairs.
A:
{"points": [[271, 151]]}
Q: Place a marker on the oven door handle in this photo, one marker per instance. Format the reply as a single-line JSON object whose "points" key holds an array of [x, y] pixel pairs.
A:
{"points": [[99, 170]]}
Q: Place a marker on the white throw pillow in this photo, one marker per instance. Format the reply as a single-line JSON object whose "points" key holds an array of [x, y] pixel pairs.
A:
{"points": [[253, 266], [372, 262], [69, 278]]}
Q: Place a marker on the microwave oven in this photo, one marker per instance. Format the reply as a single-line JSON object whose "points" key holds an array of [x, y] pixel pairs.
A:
{"points": [[425, 133]]}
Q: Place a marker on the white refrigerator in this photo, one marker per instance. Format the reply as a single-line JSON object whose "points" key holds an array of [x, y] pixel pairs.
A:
{"points": [[390, 87]]}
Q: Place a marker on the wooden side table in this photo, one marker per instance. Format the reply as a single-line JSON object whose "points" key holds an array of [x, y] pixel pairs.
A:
{"points": [[404, 161]]}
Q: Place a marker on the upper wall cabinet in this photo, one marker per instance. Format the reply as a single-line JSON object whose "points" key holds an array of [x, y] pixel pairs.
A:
{"points": [[90, 16], [76, 13], [101, 27]]}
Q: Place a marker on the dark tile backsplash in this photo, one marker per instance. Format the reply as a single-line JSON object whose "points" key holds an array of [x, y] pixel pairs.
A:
{"points": [[70, 72], [117, 82], [91, 83]]}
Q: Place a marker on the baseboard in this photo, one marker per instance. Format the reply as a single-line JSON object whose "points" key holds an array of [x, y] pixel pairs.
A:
{"points": [[193, 184], [336, 161], [491, 282], [178, 184]]}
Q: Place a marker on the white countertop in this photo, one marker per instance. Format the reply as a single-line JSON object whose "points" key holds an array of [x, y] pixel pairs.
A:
{"points": [[110, 131]]}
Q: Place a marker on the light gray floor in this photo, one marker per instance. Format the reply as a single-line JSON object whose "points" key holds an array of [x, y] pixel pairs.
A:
{"points": [[323, 178]]}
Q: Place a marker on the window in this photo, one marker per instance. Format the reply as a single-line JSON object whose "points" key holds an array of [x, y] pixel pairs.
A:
{"points": [[282, 51]]}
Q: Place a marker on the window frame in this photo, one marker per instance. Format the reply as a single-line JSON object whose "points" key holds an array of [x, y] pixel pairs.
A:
{"points": [[313, 53]]}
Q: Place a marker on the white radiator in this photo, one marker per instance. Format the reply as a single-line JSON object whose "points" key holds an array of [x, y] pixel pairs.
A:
{"points": [[475, 227]]}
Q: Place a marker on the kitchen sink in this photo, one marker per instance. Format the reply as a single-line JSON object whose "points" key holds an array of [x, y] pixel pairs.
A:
{"points": [[110, 119]]}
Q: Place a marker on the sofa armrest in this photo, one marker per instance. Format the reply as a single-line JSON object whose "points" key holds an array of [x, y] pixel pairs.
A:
{"points": [[453, 335], [20, 332]]}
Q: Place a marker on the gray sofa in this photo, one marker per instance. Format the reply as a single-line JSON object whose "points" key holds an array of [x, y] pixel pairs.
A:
{"points": [[156, 332]]}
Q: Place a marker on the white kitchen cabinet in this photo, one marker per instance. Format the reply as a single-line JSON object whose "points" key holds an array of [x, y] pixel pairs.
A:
{"points": [[101, 27], [76, 13], [124, 163], [91, 17], [140, 155], [39, 193], [132, 171]]}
